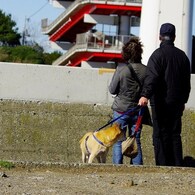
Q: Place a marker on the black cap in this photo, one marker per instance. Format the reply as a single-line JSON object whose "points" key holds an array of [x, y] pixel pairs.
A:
{"points": [[167, 29]]}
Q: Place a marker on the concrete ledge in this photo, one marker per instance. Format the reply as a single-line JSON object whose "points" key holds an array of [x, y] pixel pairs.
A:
{"points": [[95, 167]]}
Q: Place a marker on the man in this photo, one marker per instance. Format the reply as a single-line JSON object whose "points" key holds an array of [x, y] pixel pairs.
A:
{"points": [[126, 90], [167, 85]]}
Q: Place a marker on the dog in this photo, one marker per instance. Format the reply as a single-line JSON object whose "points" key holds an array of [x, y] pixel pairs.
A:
{"points": [[96, 144]]}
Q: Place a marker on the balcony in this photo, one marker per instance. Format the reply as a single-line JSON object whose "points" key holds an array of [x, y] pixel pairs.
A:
{"points": [[95, 47]]}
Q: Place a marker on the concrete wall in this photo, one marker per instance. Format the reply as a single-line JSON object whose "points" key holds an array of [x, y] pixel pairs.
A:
{"points": [[34, 131], [47, 131], [45, 111], [54, 83], [60, 84]]}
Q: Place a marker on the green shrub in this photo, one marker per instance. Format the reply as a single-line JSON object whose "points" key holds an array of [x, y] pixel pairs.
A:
{"points": [[5, 164]]}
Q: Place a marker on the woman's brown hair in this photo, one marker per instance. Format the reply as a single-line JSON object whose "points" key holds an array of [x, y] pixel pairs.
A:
{"points": [[132, 50]]}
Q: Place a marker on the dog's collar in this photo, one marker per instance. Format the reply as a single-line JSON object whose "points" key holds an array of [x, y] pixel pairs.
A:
{"points": [[98, 140]]}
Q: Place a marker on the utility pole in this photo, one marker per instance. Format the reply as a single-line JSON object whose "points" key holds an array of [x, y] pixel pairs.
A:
{"points": [[25, 32]]}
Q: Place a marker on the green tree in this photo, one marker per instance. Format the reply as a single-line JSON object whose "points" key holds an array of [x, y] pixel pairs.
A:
{"points": [[49, 58], [27, 54], [9, 35], [21, 54]]}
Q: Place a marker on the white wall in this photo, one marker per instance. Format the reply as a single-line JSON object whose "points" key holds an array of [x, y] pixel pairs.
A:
{"points": [[54, 83], [156, 12], [60, 84]]}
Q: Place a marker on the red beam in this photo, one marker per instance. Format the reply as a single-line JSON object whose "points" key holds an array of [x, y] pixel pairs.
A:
{"points": [[74, 19], [119, 7], [90, 8], [89, 55]]}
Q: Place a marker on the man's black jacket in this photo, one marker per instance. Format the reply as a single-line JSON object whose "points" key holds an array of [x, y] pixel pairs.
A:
{"points": [[167, 76]]}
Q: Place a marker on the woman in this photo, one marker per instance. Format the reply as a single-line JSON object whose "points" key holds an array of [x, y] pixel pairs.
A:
{"points": [[126, 91]]}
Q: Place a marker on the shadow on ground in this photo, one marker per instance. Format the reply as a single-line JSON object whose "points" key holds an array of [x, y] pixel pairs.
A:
{"points": [[189, 161]]}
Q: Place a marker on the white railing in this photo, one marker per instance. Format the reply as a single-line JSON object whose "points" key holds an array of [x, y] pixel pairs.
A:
{"points": [[101, 41], [89, 42]]}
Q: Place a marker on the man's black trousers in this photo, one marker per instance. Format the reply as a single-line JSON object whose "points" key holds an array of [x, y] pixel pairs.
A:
{"points": [[167, 126]]}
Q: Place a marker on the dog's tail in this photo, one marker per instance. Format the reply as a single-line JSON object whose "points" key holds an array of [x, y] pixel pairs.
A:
{"points": [[85, 136]]}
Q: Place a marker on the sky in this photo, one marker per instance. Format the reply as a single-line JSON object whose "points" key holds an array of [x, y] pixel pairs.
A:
{"points": [[28, 15], [35, 11]]}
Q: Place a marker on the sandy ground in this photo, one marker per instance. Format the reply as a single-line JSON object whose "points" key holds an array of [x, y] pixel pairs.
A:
{"points": [[96, 179]]}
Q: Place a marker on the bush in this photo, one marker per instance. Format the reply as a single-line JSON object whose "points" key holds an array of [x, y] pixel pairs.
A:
{"points": [[27, 54], [5, 164]]}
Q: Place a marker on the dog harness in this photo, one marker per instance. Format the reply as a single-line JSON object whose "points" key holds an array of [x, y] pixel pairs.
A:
{"points": [[87, 149], [86, 145], [98, 140], [138, 108]]}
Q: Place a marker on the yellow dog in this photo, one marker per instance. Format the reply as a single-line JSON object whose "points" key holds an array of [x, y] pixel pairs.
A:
{"points": [[96, 144]]}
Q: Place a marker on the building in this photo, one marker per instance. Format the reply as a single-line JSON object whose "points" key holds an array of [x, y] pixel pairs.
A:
{"points": [[92, 32]]}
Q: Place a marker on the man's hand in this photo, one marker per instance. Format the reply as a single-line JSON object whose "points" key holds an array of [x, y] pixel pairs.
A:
{"points": [[143, 101]]}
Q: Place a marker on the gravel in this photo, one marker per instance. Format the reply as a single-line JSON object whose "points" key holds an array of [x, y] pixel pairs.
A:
{"points": [[95, 179]]}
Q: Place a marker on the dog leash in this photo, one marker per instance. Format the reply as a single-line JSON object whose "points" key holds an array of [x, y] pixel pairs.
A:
{"points": [[138, 123], [131, 111], [139, 120]]}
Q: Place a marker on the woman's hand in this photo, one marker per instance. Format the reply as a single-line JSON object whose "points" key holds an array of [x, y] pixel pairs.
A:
{"points": [[143, 101]]}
